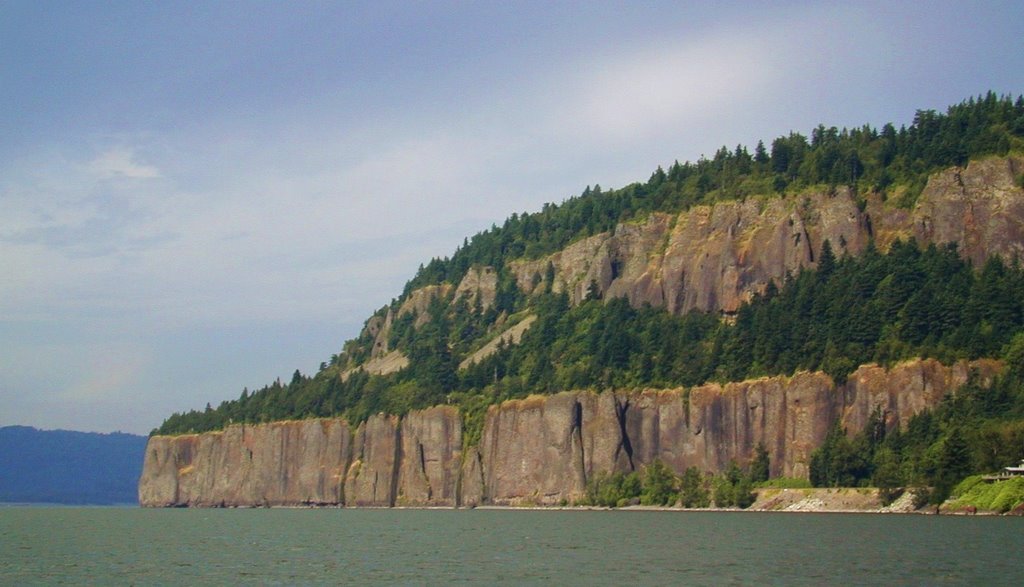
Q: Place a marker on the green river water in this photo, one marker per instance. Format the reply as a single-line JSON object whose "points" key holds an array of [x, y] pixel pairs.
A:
{"points": [[132, 546]]}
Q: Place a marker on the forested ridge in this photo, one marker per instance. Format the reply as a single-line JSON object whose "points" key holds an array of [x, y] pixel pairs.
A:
{"points": [[891, 161], [63, 466], [908, 301]]}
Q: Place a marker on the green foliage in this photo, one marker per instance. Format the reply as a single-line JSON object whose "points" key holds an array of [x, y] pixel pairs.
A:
{"points": [[977, 429], [786, 483], [996, 496], [613, 490], [656, 485], [886, 475], [954, 464], [760, 466], [693, 489], [840, 461], [879, 307], [659, 485], [473, 409], [733, 488], [864, 158]]}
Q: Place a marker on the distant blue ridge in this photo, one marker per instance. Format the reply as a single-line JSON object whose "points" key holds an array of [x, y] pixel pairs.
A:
{"points": [[68, 467]]}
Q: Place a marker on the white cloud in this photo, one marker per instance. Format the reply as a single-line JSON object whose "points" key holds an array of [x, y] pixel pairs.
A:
{"points": [[238, 224], [658, 88], [121, 162]]}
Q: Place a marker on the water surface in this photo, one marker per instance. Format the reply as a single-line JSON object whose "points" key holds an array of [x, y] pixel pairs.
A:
{"points": [[332, 546]]}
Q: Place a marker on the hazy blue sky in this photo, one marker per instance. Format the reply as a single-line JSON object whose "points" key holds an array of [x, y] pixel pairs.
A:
{"points": [[198, 197]]}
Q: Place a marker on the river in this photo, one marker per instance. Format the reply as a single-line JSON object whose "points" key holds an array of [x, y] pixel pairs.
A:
{"points": [[103, 546]]}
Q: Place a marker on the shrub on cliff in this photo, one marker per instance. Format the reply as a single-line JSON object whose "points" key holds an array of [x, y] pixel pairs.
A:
{"points": [[693, 489], [656, 485], [659, 485], [613, 489], [733, 488]]}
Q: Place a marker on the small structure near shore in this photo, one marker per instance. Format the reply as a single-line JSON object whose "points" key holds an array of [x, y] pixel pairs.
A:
{"points": [[1007, 473], [1017, 471]]}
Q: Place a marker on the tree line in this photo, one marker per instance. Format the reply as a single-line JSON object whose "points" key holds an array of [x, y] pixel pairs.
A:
{"points": [[892, 161], [877, 307]]}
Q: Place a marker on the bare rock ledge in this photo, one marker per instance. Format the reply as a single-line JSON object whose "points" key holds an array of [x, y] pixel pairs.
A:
{"points": [[536, 451]]}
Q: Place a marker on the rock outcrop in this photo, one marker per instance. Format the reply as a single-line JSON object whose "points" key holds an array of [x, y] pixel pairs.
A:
{"points": [[713, 258], [372, 477], [541, 450], [532, 450], [278, 464], [480, 285], [431, 457]]}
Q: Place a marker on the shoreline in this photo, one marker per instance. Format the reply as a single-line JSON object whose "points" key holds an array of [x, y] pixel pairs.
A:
{"points": [[769, 500]]}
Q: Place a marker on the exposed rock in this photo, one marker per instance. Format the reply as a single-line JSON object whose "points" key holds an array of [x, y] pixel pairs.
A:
{"points": [[791, 415], [471, 492], [540, 450], [605, 446], [716, 257], [576, 266], [431, 457], [392, 362], [713, 425], [419, 300], [512, 335], [821, 500], [981, 208], [479, 283], [379, 328], [283, 463], [531, 451], [373, 475], [657, 426], [906, 389]]}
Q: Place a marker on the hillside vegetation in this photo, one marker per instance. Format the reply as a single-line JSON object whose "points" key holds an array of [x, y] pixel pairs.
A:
{"points": [[908, 301]]}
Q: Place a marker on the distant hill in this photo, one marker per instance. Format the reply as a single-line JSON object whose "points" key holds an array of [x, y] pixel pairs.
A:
{"points": [[61, 466]]}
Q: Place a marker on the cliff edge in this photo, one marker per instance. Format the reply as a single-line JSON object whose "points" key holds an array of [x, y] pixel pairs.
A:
{"points": [[536, 451]]}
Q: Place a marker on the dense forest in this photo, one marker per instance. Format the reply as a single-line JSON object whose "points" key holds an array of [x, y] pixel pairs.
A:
{"points": [[905, 302]]}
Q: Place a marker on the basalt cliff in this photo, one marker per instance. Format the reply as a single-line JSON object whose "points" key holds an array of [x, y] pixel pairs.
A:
{"points": [[543, 449], [715, 257], [536, 451]]}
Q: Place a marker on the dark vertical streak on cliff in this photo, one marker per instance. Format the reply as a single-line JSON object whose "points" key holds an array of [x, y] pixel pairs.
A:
{"points": [[621, 407], [576, 441], [395, 463]]}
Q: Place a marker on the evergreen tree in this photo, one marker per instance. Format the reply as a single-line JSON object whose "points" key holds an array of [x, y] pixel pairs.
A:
{"points": [[759, 467]]}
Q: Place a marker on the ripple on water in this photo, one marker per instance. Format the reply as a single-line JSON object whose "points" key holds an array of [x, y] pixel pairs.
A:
{"points": [[120, 546]]}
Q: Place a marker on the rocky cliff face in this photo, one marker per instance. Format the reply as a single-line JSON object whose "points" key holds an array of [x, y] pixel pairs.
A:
{"points": [[539, 450], [431, 457], [278, 464], [715, 257]]}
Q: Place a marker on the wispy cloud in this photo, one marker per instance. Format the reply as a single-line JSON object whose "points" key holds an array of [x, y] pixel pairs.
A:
{"points": [[313, 206], [121, 162], [655, 88]]}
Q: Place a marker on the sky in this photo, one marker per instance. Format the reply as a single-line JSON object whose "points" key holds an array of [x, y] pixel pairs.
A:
{"points": [[198, 197]]}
